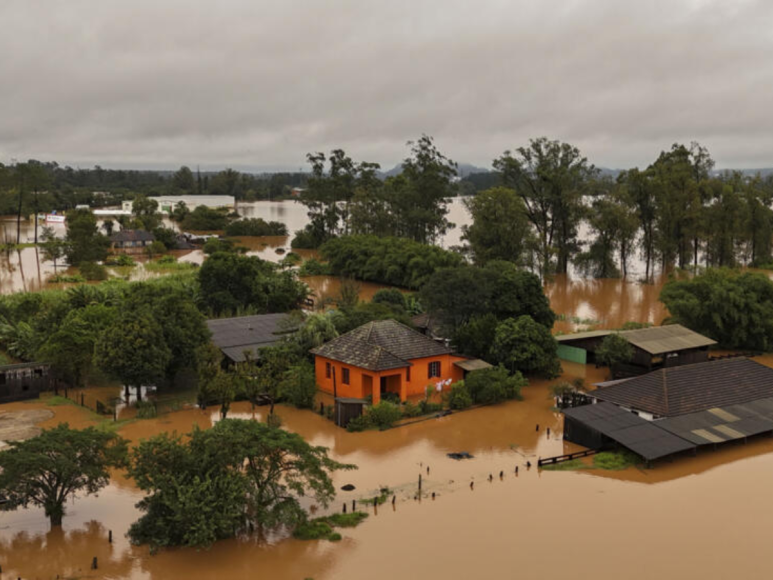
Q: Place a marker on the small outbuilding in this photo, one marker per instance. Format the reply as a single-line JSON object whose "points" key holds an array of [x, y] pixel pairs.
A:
{"points": [[23, 381], [654, 347], [131, 241]]}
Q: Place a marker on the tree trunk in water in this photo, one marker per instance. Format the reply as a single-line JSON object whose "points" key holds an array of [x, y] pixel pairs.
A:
{"points": [[139, 394], [126, 394], [56, 519]]}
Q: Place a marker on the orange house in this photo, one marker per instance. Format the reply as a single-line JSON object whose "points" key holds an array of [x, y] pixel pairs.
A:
{"points": [[384, 356]]}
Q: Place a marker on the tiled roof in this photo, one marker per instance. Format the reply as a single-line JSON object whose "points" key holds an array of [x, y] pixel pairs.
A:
{"points": [[692, 388], [381, 345]]}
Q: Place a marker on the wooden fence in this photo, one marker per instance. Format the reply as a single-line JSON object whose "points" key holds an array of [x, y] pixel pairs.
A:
{"points": [[567, 457]]}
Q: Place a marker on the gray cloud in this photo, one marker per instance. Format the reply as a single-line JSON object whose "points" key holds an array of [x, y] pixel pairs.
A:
{"points": [[258, 83]]}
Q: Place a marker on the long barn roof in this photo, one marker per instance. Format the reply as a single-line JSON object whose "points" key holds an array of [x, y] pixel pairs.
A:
{"points": [[692, 388], [655, 340]]}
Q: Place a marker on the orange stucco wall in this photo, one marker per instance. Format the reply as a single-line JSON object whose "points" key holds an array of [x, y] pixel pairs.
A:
{"points": [[363, 383]]}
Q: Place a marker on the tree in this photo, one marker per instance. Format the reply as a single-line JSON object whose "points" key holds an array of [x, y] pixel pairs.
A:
{"points": [[84, 243], [180, 212], [231, 283], [494, 385], [454, 296], [551, 178], [183, 182], [209, 360], [419, 193], [734, 308], [239, 474], [521, 344], [273, 363], [145, 212], [53, 247], [133, 350], [614, 350], [500, 228], [70, 346], [299, 385], [55, 466]]}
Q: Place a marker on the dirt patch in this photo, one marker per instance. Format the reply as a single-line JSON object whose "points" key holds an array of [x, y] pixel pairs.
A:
{"points": [[19, 425]]}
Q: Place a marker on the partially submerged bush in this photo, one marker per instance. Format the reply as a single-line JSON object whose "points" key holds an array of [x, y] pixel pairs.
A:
{"points": [[494, 385], [92, 271], [459, 397], [385, 414], [313, 267], [361, 423]]}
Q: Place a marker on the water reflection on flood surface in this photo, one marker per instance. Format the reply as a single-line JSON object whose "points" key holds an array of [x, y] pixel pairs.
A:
{"points": [[697, 517]]}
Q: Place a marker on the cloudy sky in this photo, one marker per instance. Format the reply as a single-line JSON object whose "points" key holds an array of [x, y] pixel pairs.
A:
{"points": [[256, 84]]}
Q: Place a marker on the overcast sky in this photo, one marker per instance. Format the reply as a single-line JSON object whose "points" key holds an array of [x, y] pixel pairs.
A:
{"points": [[256, 84]]}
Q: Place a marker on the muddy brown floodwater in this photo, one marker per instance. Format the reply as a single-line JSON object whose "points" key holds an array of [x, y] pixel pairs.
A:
{"points": [[698, 517], [703, 517]]}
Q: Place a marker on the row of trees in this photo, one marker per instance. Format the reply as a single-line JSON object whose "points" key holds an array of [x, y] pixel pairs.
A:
{"points": [[237, 477]]}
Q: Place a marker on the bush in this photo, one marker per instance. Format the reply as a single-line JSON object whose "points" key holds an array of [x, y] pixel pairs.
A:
{"points": [[613, 350], [92, 271], [155, 248], [167, 260], [313, 267], [120, 260], [66, 279], [299, 386], [306, 239], [493, 385], [146, 410], [205, 218], [392, 297], [391, 397], [255, 227], [385, 414], [213, 245], [396, 261], [411, 410], [361, 423], [459, 398], [428, 407]]}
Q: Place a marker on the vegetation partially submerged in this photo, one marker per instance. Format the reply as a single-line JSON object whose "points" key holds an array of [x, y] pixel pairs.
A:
{"points": [[323, 528]]}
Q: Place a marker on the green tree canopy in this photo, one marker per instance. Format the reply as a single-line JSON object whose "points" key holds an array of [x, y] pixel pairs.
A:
{"points": [[613, 350], [521, 344], [500, 228], [219, 482], [734, 308], [54, 467], [133, 350], [84, 242]]}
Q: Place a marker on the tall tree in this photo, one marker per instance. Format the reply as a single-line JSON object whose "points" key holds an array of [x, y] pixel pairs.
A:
{"points": [[182, 181], [133, 350], [419, 193], [49, 469], [551, 178], [500, 228], [84, 242]]}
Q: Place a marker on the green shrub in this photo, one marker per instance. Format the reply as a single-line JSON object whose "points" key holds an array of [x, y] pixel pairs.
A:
{"points": [[146, 410], [428, 407], [350, 520], [120, 260], [313, 267], [167, 260], [361, 423], [67, 279], [493, 385], [392, 297], [255, 227], [205, 218], [459, 398], [273, 420], [385, 414], [299, 386], [306, 239], [317, 529], [93, 271], [411, 410], [615, 461]]}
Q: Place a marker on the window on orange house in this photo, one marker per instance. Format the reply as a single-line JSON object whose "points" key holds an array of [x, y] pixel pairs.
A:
{"points": [[345, 376], [408, 374], [433, 369], [327, 370]]}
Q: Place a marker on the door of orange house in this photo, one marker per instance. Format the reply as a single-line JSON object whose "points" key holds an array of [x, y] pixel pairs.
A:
{"points": [[390, 384]]}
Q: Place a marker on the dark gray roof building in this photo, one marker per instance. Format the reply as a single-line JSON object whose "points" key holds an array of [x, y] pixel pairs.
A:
{"points": [[675, 391], [132, 236], [381, 345], [235, 335]]}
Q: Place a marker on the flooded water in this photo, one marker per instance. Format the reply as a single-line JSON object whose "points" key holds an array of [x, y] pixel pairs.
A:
{"points": [[538, 524], [698, 517]]}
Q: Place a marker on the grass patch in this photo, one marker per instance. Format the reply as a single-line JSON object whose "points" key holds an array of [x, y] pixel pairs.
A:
{"points": [[615, 461], [571, 465], [58, 400], [322, 528], [166, 266]]}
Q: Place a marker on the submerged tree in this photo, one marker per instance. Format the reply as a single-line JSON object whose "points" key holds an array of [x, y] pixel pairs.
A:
{"points": [[236, 476], [551, 178], [48, 470], [614, 350]]}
